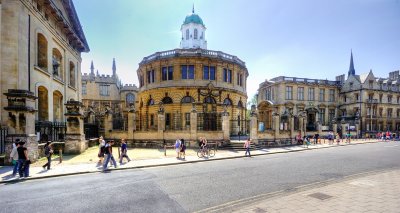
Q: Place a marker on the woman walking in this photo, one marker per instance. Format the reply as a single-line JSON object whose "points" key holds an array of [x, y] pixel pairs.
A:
{"points": [[23, 160], [102, 145], [183, 149], [247, 146], [177, 148]]}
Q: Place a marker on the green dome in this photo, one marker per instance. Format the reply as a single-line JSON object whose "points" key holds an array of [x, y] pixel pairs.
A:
{"points": [[193, 18]]}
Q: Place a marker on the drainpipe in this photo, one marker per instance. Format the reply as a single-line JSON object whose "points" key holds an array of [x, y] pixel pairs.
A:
{"points": [[29, 53]]}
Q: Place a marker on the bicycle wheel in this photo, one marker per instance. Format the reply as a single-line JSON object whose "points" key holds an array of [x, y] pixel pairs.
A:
{"points": [[200, 153], [211, 152]]}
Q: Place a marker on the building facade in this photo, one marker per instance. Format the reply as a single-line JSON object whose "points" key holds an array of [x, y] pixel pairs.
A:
{"points": [[359, 104], [40, 58], [190, 92], [104, 95]]}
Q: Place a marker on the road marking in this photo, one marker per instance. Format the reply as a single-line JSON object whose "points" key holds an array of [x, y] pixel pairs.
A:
{"points": [[391, 146]]}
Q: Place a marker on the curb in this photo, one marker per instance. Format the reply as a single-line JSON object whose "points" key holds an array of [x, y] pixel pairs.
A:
{"points": [[176, 163]]}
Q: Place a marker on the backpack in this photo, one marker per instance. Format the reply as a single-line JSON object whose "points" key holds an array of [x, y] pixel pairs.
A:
{"points": [[47, 151]]}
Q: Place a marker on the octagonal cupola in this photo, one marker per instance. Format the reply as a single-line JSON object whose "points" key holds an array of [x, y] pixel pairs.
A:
{"points": [[193, 32]]}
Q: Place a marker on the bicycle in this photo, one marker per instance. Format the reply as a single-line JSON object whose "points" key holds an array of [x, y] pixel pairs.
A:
{"points": [[205, 152]]}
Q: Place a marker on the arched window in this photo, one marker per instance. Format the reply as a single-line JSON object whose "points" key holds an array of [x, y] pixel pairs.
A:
{"points": [[187, 34], [130, 98], [195, 33], [240, 104], [187, 100], [209, 100], [57, 64], [167, 100], [43, 104], [57, 106], [71, 74], [42, 52], [227, 102], [150, 102]]}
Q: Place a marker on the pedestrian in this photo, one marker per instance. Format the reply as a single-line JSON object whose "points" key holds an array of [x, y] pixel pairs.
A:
{"points": [[299, 139], [330, 138], [183, 149], [23, 160], [316, 136], [337, 138], [308, 142], [48, 151], [124, 151], [102, 145], [247, 146], [108, 155], [177, 148], [14, 157]]}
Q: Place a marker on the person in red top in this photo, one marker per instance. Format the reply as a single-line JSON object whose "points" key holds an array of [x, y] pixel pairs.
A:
{"points": [[387, 136]]}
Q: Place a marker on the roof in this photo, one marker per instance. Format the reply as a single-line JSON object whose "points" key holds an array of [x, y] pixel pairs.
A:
{"points": [[193, 18]]}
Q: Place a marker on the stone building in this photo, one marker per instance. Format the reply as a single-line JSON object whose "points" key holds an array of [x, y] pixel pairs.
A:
{"points": [[40, 58], [361, 104], [103, 96], [190, 92]]}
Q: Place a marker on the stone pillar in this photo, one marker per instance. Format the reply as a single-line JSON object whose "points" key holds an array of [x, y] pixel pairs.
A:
{"points": [[21, 121], [334, 129], [108, 125], [343, 128], [292, 133], [253, 125], [275, 120], [75, 142], [357, 129], [131, 122], [319, 126], [193, 123]]}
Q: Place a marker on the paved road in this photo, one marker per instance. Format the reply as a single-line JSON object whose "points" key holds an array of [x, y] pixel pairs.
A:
{"points": [[192, 187]]}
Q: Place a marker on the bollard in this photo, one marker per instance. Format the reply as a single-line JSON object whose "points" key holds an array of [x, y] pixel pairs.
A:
{"points": [[119, 152], [60, 154], [165, 150]]}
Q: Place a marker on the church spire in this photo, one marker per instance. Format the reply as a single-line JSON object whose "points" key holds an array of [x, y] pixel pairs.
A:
{"points": [[114, 68], [352, 71], [91, 69], [193, 8]]}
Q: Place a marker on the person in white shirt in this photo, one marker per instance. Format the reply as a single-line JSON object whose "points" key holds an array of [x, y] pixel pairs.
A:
{"points": [[247, 146]]}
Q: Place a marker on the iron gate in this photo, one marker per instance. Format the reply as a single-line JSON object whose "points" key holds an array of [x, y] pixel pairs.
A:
{"points": [[91, 130], [3, 135], [50, 131], [239, 127]]}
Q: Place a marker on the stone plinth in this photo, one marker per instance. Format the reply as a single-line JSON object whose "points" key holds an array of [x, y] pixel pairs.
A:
{"points": [[30, 143], [75, 144], [225, 126], [253, 129]]}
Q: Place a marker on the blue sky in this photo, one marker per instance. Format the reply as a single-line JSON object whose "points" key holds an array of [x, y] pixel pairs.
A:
{"points": [[302, 38]]}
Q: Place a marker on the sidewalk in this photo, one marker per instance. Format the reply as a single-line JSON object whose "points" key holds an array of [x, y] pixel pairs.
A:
{"points": [[371, 193], [37, 172]]}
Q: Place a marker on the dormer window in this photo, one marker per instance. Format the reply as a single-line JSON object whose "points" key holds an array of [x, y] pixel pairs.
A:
{"points": [[187, 34], [195, 33]]}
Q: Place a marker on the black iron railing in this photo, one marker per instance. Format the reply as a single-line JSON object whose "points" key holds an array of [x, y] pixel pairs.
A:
{"points": [[3, 135], [50, 131]]}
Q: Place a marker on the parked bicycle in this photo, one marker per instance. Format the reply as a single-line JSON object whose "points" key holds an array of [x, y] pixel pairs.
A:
{"points": [[205, 152]]}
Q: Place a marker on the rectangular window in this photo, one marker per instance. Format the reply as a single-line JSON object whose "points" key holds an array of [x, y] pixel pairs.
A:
{"points": [[380, 98], [371, 84], [187, 71], [289, 91], [389, 99], [167, 120], [357, 96], [187, 119], [322, 116], [167, 73], [227, 75], [151, 120], [389, 113], [300, 93], [141, 81], [239, 79], [331, 115], [311, 94], [331, 95], [268, 93], [104, 90], [150, 76], [84, 89], [209, 73], [322, 95]]}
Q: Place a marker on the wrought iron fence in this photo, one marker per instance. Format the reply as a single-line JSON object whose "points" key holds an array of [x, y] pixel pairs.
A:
{"points": [[209, 121], [50, 131], [239, 126], [3, 135], [91, 130]]}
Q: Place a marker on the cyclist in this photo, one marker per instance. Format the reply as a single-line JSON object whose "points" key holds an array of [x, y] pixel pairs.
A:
{"points": [[203, 145]]}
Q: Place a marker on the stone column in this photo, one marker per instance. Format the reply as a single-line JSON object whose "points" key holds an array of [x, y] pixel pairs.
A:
{"points": [[131, 122], [108, 125], [275, 120], [334, 128], [193, 123], [343, 128], [75, 142], [292, 133], [21, 121]]}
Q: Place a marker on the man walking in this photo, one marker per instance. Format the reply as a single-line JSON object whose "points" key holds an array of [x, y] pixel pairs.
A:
{"points": [[247, 146], [23, 160], [48, 151], [124, 152], [14, 157], [108, 154]]}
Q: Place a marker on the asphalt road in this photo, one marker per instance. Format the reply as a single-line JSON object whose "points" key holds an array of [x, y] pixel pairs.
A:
{"points": [[193, 187]]}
